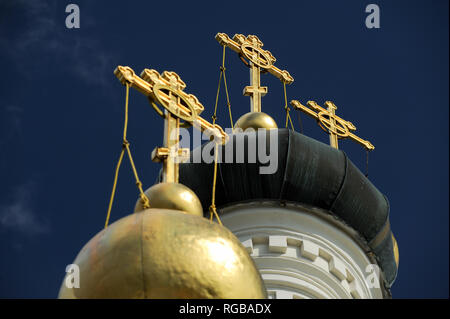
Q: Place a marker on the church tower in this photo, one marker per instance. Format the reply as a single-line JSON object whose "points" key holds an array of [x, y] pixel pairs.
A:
{"points": [[316, 227], [289, 216]]}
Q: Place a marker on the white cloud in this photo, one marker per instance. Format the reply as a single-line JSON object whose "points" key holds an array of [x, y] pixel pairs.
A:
{"points": [[19, 216], [11, 123], [46, 37]]}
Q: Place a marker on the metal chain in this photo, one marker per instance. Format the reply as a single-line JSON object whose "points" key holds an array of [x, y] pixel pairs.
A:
{"points": [[286, 107], [212, 208], [222, 75], [126, 146]]}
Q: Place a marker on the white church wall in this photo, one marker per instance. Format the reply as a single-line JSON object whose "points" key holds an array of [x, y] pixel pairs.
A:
{"points": [[302, 252]]}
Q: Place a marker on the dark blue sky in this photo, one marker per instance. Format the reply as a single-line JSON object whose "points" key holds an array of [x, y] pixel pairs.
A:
{"points": [[61, 113]]}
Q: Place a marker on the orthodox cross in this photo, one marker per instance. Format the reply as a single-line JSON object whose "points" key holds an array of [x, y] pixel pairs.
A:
{"points": [[259, 61], [167, 91], [332, 124]]}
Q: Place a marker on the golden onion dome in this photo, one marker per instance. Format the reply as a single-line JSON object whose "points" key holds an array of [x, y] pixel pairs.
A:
{"points": [[396, 253], [172, 196], [256, 120], [162, 253]]}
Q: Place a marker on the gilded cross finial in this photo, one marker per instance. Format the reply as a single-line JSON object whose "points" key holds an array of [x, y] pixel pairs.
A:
{"points": [[259, 60], [166, 89], [332, 124]]}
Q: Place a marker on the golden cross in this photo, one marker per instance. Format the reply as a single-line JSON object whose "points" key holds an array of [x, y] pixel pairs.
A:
{"points": [[260, 60], [167, 91], [332, 124]]}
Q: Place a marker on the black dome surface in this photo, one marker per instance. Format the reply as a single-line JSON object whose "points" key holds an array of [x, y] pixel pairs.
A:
{"points": [[308, 172]]}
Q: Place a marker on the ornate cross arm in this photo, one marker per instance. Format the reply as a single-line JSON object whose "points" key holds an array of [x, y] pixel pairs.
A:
{"points": [[159, 154], [247, 47], [166, 90], [250, 48], [332, 124]]}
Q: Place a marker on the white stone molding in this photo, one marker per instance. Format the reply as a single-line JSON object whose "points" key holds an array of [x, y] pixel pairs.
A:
{"points": [[302, 252]]}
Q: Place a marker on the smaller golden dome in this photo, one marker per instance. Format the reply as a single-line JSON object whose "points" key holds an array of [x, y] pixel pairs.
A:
{"points": [[172, 196], [256, 120]]}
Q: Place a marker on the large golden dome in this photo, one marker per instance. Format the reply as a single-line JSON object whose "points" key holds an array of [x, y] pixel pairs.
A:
{"points": [[162, 253]]}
